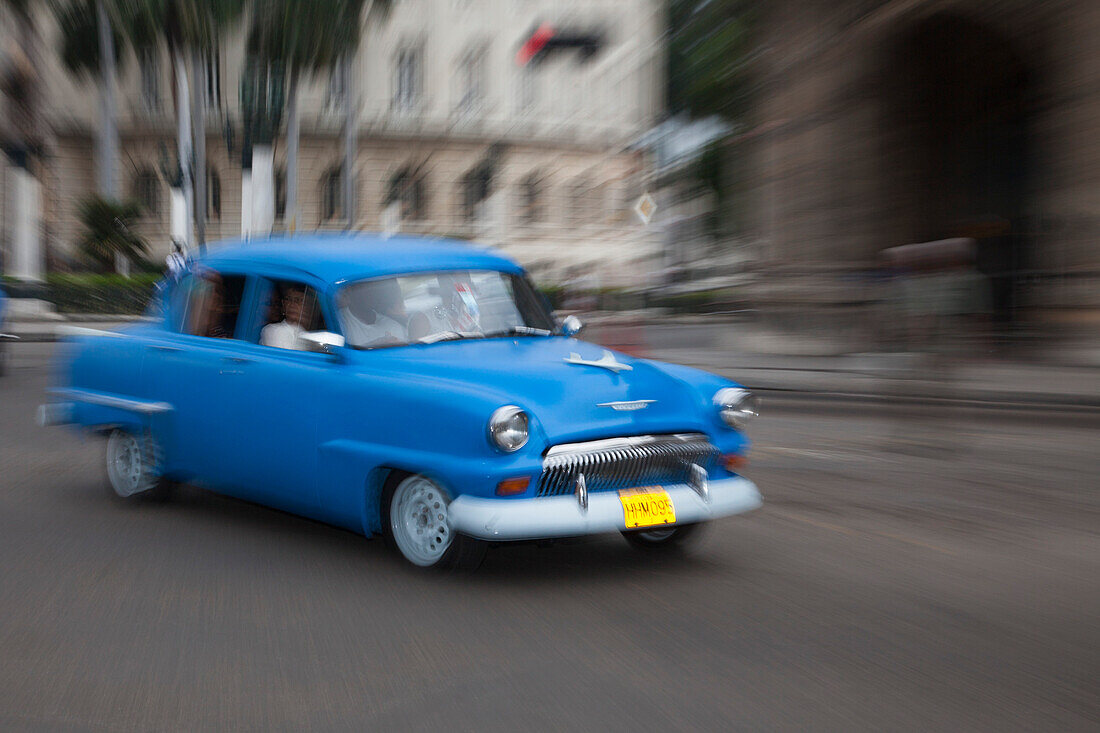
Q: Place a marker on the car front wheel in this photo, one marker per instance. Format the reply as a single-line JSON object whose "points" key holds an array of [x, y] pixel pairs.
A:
{"points": [[418, 526], [131, 466], [649, 539]]}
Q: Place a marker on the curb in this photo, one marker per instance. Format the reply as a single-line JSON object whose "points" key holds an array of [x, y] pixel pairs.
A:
{"points": [[1059, 404]]}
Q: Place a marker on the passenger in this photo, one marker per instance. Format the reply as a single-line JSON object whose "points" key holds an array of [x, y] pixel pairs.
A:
{"points": [[214, 314], [375, 313], [287, 333]]}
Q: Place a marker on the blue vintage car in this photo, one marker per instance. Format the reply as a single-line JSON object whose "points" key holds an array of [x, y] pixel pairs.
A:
{"points": [[411, 387]]}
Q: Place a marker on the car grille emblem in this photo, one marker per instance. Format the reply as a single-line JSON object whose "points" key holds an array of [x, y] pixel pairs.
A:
{"points": [[627, 406]]}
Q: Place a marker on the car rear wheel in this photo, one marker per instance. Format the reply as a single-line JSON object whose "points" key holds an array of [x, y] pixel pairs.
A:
{"points": [[131, 465], [418, 526], [649, 539]]}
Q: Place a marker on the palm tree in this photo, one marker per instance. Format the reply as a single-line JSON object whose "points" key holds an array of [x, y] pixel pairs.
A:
{"points": [[310, 37], [185, 26], [90, 46], [107, 236]]}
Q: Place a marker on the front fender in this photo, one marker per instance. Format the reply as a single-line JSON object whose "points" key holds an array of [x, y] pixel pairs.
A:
{"points": [[353, 473]]}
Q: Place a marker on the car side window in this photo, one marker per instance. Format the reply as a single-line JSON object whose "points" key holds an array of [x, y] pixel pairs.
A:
{"points": [[207, 304], [288, 310]]}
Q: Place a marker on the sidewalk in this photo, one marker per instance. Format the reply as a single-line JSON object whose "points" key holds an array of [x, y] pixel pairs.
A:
{"points": [[728, 348], [817, 366], [51, 329], [903, 377]]}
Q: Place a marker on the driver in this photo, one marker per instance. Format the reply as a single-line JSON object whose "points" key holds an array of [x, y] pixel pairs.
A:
{"points": [[376, 312], [287, 333]]}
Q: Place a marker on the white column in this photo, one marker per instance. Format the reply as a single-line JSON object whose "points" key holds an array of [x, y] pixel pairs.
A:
{"points": [[246, 202], [27, 257], [183, 121], [263, 190], [178, 219]]}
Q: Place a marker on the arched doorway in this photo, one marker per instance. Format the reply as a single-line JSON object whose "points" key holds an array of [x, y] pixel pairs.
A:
{"points": [[959, 107]]}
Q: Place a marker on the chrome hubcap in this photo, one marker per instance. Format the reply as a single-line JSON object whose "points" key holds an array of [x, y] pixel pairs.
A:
{"points": [[419, 521], [126, 464]]}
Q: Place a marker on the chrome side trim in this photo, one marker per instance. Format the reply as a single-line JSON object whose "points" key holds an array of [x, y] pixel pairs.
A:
{"points": [[105, 399]]}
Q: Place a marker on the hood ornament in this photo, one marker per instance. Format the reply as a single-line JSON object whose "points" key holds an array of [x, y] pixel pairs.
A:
{"points": [[627, 406], [607, 361]]}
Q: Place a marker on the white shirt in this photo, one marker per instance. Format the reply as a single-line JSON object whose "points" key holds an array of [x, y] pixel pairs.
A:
{"points": [[282, 335], [364, 334]]}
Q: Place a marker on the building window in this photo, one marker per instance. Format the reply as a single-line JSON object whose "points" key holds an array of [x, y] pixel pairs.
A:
{"points": [[332, 194], [280, 193], [150, 80], [530, 200], [146, 191], [471, 81], [475, 187], [406, 79], [213, 195], [213, 79], [579, 205], [527, 88], [409, 188]]}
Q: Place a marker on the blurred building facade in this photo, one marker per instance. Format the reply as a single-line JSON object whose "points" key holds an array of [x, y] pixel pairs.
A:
{"points": [[438, 93], [886, 122]]}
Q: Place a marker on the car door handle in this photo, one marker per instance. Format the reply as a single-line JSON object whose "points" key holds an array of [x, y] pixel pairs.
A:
{"points": [[164, 349], [236, 360]]}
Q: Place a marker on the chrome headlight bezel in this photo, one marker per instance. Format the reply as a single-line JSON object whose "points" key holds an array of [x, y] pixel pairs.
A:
{"points": [[736, 406], [509, 428]]}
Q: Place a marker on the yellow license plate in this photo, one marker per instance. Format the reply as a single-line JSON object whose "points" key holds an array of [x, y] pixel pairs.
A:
{"points": [[647, 506]]}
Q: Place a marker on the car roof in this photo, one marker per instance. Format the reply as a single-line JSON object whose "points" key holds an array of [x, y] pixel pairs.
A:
{"points": [[338, 257]]}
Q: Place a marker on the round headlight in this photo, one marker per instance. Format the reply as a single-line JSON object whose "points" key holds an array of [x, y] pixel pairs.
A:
{"points": [[736, 406], [508, 428]]}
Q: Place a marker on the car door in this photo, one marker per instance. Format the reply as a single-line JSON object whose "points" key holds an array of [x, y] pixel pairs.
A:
{"points": [[273, 400], [189, 365]]}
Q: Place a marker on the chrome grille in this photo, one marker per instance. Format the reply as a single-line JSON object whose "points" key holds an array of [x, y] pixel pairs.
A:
{"points": [[621, 463]]}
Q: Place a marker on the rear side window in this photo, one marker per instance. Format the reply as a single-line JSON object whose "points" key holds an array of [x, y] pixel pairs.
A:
{"points": [[207, 304]]}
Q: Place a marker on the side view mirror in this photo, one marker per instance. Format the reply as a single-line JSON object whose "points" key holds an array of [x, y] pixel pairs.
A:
{"points": [[323, 342], [572, 325]]}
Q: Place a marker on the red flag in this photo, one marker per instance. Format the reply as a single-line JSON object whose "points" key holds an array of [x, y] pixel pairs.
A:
{"points": [[534, 44]]}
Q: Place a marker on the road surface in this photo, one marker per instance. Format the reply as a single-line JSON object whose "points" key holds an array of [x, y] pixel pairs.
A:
{"points": [[935, 574]]}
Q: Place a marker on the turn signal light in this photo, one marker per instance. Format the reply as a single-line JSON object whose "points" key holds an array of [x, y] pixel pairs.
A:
{"points": [[734, 461], [511, 486]]}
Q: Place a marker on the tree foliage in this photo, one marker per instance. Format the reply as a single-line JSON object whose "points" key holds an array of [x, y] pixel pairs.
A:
{"points": [[304, 36], [107, 231], [79, 37], [710, 50], [180, 23]]}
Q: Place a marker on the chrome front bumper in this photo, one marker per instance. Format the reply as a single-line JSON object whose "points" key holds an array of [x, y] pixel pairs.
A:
{"points": [[563, 516]]}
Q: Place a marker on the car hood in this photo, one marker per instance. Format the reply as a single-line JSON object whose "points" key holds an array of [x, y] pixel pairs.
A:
{"points": [[568, 401]]}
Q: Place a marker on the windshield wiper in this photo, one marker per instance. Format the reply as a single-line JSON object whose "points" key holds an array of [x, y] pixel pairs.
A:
{"points": [[448, 336], [521, 331]]}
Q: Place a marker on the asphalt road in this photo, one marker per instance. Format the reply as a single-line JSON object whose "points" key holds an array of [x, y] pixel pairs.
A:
{"points": [[904, 575]]}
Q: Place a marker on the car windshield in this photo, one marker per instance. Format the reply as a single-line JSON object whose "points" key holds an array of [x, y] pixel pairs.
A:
{"points": [[441, 306]]}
